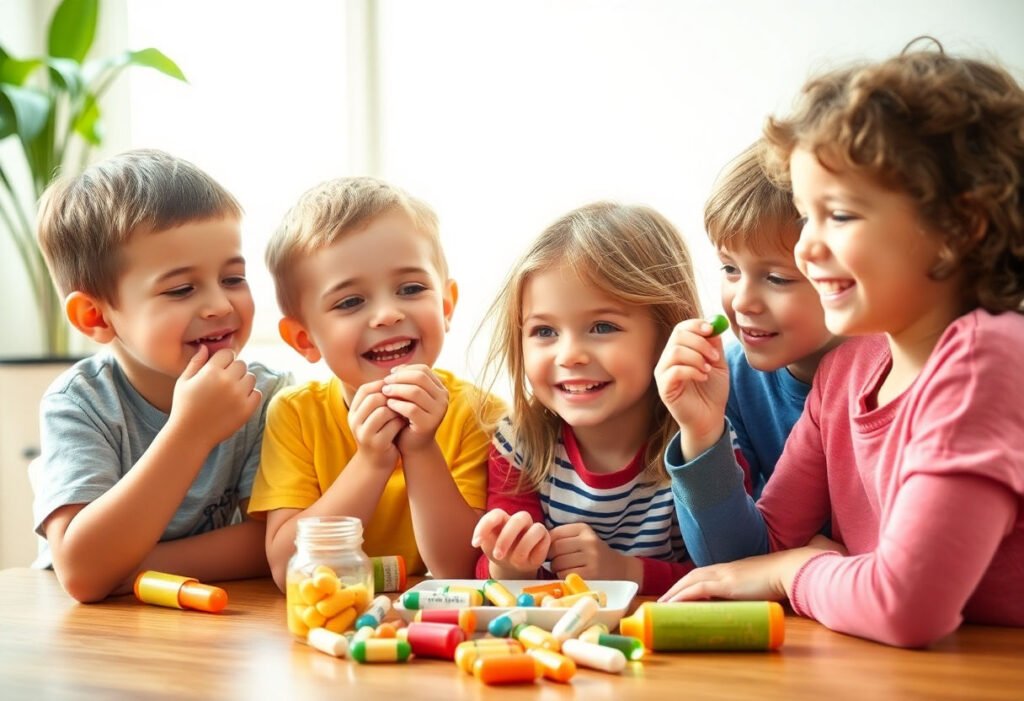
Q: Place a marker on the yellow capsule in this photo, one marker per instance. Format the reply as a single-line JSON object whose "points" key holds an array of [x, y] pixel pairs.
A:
{"points": [[342, 621], [574, 584], [336, 602]]}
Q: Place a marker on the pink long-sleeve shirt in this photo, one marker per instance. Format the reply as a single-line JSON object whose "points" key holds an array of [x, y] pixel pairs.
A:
{"points": [[926, 492]]}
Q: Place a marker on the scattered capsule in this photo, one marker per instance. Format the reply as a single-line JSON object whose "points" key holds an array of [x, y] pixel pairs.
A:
{"points": [[574, 584], [507, 669], [375, 612], [501, 627], [467, 653], [437, 640], [604, 659], [328, 642], [378, 650], [535, 636], [575, 619], [463, 618], [554, 666], [526, 600], [415, 600], [497, 594]]}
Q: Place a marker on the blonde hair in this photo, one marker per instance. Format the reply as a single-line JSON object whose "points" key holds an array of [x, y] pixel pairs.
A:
{"points": [[329, 211], [946, 131], [84, 220], [632, 254], [747, 209]]}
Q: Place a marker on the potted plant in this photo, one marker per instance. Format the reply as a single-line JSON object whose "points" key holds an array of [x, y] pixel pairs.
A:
{"points": [[51, 106]]}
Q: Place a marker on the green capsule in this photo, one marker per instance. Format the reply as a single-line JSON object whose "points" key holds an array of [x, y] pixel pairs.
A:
{"points": [[719, 324], [632, 648], [380, 650]]}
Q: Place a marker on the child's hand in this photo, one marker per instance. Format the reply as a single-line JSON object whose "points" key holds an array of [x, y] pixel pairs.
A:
{"points": [[214, 396], [576, 548], [761, 578], [693, 381], [375, 426], [417, 394], [514, 542]]}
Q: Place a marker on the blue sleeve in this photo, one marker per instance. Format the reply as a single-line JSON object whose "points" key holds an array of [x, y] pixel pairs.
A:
{"points": [[718, 519]]}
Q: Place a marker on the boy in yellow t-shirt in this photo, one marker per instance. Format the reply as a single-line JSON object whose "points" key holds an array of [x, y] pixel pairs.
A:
{"points": [[363, 284]]}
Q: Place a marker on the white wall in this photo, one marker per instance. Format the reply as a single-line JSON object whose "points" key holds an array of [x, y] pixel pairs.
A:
{"points": [[505, 115]]}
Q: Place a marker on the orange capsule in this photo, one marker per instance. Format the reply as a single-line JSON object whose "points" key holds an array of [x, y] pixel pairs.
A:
{"points": [[467, 653], [507, 669], [554, 666], [539, 591]]}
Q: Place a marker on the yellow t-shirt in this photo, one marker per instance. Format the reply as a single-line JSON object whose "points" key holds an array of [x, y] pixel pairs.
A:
{"points": [[307, 443]]}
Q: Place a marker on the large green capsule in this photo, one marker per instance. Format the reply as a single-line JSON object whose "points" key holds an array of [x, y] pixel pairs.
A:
{"points": [[380, 650]]}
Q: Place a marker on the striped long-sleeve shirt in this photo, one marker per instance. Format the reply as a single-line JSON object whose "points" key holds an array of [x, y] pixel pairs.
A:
{"points": [[632, 515]]}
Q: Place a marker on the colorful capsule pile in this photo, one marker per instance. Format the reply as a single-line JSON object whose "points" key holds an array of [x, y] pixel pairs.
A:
{"points": [[444, 626]]}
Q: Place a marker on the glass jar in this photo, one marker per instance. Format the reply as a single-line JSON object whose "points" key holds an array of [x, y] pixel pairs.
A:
{"points": [[330, 578]]}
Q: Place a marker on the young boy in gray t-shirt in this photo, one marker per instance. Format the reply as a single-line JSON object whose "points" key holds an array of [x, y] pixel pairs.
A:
{"points": [[149, 448]]}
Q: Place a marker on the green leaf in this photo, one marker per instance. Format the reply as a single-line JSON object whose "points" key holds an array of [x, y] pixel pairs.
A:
{"points": [[73, 29], [154, 58], [87, 124], [67, 74], [15, 71], [30, 109]]}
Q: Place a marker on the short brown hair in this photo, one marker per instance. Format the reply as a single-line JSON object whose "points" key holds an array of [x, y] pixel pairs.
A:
{"points": [[748, 209], [85, 219], [947, 131], [330, 210]]}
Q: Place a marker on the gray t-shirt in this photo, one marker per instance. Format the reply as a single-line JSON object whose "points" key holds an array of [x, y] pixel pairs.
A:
{"points": [[94, 426]]}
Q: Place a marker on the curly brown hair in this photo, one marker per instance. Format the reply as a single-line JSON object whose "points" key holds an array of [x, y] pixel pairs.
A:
{"points": [[946, 130]]}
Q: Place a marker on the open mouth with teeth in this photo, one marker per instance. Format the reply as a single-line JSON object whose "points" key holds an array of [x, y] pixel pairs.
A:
{"points": [[390, 352], [582, 387], [833, 287], [213, 342]]}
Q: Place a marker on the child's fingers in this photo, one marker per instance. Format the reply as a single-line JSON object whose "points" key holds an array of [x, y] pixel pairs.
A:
{"points": [[568, 561], [563, 544], [489, 523], [377, 419], [532, 548], [222, 359], [362, 393], [196, 363], [567, 530], [516, 525], [365, 404]]}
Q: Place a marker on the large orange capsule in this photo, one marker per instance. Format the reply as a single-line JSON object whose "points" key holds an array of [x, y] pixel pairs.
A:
{"points": [[508, 669], [556, 667], [437, 640], [467, 653]]}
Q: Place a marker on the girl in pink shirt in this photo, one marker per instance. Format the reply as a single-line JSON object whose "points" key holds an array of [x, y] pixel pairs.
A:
{"points": [[909, 178]]}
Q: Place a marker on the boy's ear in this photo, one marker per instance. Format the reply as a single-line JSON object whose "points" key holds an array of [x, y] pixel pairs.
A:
{"points": [[86, 314], [296, 336], [451, 296]]}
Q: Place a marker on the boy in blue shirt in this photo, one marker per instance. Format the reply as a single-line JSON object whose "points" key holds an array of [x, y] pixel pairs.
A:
{"points": [[774, 311], [149, 448]]}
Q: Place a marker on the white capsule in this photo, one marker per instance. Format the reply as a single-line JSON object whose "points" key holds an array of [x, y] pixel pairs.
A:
{"points": [[328, 642], [599, 657], [575, 619]]}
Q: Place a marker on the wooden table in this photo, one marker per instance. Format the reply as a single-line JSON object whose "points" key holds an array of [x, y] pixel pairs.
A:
{"points": [[52, 647]]}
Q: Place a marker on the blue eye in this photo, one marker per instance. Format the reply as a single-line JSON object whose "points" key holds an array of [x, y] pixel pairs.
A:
{"points": [[411, 288], [543, 332], [234, 280], [730, 269], [604, 327]]}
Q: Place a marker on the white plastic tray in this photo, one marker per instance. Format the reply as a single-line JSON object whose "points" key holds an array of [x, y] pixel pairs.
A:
{"points": [[620, 594]]}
